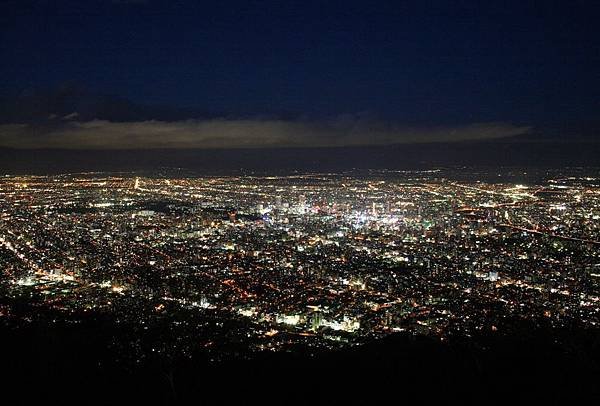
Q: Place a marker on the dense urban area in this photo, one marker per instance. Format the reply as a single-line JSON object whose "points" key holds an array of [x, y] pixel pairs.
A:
{"points": [[239, 265]]}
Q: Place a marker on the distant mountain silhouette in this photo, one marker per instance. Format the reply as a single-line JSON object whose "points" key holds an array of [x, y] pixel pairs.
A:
{"points": [[73, 102]]}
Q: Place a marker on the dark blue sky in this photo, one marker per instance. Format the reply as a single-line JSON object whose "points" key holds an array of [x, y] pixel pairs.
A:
{"points": [[527, 63]]}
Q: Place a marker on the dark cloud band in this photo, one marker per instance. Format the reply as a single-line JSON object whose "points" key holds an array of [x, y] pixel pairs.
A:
{"points": [[244, 133]]}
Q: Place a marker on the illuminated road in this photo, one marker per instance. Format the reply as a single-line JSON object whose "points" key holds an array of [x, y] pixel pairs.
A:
{"points": [[562, 237]]}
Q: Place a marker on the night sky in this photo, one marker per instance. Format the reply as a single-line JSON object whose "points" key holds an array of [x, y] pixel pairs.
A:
{"points": [[129, 74]]}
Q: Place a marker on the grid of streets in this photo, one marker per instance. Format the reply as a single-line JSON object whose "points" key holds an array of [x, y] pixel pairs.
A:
{"points": [[319, 260]]}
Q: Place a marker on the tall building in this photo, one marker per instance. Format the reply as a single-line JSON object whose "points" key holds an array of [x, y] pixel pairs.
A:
{"points": [[316, 321], [302, 204]]}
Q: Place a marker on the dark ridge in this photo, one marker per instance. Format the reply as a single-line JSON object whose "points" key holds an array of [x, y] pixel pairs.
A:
{"points": [[42, 362]]}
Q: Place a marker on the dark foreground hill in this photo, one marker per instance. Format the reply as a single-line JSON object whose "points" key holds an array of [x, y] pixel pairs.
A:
{"points": [[42, 364]]}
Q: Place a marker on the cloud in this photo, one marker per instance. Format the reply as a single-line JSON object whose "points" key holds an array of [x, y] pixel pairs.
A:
{"points": [[71, 116], [240, 133], [129, 1]]}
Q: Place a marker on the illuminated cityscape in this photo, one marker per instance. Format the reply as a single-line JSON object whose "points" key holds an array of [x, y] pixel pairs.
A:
{"points": [[311, 261], [299, 202]]}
